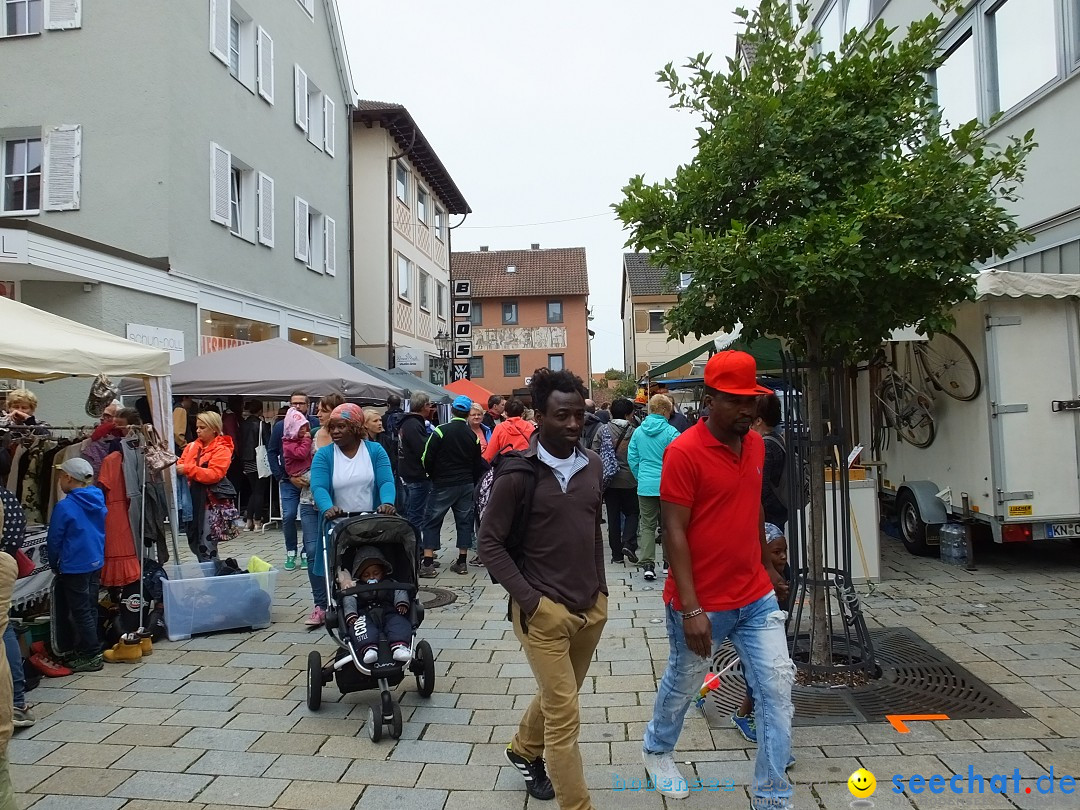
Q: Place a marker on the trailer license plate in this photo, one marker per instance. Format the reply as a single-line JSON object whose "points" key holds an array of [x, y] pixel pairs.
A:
{"points": [[1063, 529]]}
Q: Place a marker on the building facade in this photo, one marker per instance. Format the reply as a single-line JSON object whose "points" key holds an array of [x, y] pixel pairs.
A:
{"points": [[646, 298], [186, 187], [403, 197], [529, 310], [1019, 59]]}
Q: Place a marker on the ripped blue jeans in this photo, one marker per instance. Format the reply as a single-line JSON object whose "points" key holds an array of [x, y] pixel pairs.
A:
{"points": [[757, 631]]}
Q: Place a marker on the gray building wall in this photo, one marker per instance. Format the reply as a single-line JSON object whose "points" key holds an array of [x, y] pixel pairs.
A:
{"points": [[107, 308], [372, 147], [149, 106]]}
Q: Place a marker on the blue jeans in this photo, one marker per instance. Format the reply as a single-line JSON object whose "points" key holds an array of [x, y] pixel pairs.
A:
{"points": [[81, 593], [458, 497], [183, 499], [309, 525], [757, 631], [290, 508], [14, 657], [416, 497]]}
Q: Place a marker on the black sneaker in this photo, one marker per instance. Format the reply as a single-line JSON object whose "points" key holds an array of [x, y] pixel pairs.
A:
{"points": [[650, 570], [428, 571], [665, 566], [616, 560], [630, 554], [535, 774]]}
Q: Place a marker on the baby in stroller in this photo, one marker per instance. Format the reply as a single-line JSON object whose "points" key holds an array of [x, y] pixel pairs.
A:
{"points": [[367, 565]]}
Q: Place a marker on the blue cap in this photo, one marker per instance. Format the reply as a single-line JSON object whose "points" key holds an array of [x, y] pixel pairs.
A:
{"points": [[462, 403], [772, 532]]}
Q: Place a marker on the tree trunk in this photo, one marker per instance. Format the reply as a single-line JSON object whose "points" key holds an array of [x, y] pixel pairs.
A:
{"points": [[820, 639]]}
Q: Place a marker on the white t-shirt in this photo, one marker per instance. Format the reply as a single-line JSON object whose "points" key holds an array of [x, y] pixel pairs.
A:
{"points": [[354, 480]]}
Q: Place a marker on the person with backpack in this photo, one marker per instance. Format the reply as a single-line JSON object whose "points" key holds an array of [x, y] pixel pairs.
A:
{"points": [[512, 434], [645, 456], [620, 494], [540, 538], [773, 475], [415, 486], [390, 438]]}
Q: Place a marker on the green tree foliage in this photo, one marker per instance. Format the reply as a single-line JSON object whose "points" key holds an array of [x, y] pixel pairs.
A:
{"points": [[827, 203]]}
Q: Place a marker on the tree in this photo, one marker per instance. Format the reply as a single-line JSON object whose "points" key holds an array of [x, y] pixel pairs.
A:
{"points": [[828, 203], [614, 374]]}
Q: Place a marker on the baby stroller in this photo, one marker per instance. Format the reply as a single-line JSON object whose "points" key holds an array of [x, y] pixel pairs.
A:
{"points": [[396, 539]]}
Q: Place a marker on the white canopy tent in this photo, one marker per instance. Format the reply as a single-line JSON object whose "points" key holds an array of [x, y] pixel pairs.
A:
{"points": [[39, 346]]}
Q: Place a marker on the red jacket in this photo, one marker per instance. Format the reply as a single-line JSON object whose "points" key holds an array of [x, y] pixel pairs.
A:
{"points": [[209, 463], [513, 434]]}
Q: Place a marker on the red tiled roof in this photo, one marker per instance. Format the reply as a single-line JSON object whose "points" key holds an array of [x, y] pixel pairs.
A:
{"points": [[552, 271]]}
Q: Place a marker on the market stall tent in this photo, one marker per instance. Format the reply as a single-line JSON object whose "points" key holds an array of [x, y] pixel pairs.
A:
{"points": [[276, 368], [470, 389]]}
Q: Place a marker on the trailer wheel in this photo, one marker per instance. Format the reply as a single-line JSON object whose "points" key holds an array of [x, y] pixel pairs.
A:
{"points": [[912, 526]]}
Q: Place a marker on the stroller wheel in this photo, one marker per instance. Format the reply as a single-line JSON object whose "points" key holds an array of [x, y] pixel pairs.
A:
{"points": [[375, 723], [314, 680], [395, 724], [424, 667]]}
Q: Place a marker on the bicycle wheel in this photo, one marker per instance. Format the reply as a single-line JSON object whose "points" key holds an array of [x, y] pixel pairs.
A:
{"points": [[915, 422], [950, 366]]}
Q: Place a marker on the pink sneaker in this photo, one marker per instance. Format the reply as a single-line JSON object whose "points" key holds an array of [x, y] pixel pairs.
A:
{"points": [[317, 617]]}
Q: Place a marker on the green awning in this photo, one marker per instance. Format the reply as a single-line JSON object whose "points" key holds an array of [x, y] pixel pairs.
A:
{"points": [[766, 351]]}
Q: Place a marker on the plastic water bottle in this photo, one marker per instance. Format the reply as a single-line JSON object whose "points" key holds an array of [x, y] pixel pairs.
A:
{"points": [[953, 544]]}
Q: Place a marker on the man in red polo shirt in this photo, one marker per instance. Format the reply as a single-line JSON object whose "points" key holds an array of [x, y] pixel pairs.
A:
{"points": [[722, 582]]}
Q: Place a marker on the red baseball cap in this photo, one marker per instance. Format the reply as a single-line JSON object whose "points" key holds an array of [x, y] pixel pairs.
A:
{"points": [[734, 373]]}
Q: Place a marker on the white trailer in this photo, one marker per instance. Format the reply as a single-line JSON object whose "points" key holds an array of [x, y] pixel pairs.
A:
{"points": [[1014, 449]]}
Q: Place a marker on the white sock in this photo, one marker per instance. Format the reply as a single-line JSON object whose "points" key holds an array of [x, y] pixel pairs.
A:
{"points": [[370, 655]]}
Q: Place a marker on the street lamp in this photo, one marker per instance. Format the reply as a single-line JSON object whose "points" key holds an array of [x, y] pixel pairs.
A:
{"points": [[444, 341]]}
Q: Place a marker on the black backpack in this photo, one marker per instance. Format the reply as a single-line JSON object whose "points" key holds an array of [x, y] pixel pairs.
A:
{"points": [[509, 463]]}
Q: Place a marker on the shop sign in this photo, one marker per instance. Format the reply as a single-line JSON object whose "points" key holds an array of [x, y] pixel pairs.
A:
{"points": [[208, 344], [408, 359], [169, 340]]}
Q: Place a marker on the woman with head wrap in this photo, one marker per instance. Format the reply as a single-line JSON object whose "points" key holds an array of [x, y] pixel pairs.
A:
{"points": [[352, 474]]}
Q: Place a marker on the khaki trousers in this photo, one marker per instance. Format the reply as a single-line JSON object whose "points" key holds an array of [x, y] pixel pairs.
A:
{"points": [[559, 646], [8, 572]]}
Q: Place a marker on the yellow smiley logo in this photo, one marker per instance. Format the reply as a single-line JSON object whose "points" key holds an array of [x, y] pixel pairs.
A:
{"points": [[862, 784]]}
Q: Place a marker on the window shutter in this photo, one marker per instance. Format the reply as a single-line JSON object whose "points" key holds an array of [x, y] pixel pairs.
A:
{"points": [[300, 95], [220, 14], [641, 321], [266, 65], [220, 180], [63, 167], [330, 247], [328, 125], [266, 210], [300, 231], [63, 14]]}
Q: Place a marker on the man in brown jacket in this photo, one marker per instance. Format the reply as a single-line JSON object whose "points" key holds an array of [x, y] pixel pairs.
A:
{"points": [[556, 582]]}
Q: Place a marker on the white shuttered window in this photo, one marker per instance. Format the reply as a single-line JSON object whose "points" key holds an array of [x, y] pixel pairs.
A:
{"points": [[328, 125], [220, 17], [220, 184], [266, 66], [301, 241], [63, 14], [266, 210], [330, 246], [300, 94], [63, 167]]}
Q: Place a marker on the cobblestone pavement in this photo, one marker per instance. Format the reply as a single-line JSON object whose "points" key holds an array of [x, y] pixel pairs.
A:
{"points": [[220, 721]]}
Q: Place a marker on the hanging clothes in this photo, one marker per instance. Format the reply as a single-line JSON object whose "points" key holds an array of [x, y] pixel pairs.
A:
{"points": [[121, 563]]}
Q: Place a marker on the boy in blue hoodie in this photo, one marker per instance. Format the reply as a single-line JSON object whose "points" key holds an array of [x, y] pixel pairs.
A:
{"points": [[76, 545]]}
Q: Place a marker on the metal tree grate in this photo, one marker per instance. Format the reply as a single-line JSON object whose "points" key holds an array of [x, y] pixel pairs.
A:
{"points": [[916, 679]]}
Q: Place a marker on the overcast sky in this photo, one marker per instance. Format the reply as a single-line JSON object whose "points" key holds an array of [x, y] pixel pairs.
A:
{"points": [[541, 112]]}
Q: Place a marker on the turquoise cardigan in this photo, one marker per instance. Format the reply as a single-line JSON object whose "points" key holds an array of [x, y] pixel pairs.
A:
{"points": [[322, 485]]}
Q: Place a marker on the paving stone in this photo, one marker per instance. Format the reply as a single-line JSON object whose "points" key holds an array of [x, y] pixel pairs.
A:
{"points": [[260, 722], [457, 733], [76, 803], [163, 786], [431, 752], [453, 777], [319, 796], [82, 782], [147, 717], [389, 774], [156, 758], [150, 685], [243, 791], [322, 768], [475, 800], [147, 735], [277, 743], [217, 739], [208, 703], [392, 798], [266, 706], [163, 672], [86, 755], [144, 804], [85, 714], [205, 688], [991, 763], [76, 731], [27, 752], [232, 763]]}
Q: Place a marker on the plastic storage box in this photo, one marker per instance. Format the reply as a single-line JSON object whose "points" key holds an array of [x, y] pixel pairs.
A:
{"points": [[196, 601]]}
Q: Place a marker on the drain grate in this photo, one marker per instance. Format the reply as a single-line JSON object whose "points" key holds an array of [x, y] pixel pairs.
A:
{"points": [[916, 679], [436, 597]]}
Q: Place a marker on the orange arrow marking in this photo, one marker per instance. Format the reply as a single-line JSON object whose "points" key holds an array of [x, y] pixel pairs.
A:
{"points": [[899, 721]]}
